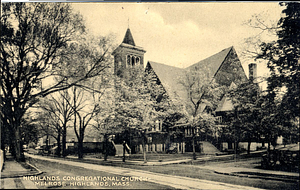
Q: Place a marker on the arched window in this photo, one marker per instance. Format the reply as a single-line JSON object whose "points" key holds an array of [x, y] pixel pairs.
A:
{"points": [[128, 60], [137, 61], [133, 61]]}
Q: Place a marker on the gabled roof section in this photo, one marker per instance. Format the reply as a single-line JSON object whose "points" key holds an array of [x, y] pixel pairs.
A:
{"points": [[169, 77], [213, 63], [226, 104], [232, 86], [128, 39]]}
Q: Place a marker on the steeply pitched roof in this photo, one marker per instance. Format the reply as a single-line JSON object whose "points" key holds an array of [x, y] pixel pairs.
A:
{"points": [[213, 63], [169, 77], [226, 104], [128, 39]]}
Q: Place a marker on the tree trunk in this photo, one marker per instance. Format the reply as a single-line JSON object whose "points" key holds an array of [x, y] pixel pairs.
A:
{"points": [[64, 134], [80, 144], [58, 143], [269, 146], [144, 148], [124, 149], [194, 149], [47, 144], [80, 149], [236, 148], [249, 145], [105, 149], [17, 144]]}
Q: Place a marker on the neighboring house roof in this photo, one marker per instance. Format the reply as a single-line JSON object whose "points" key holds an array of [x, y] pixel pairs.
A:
{"points": [[213, 63], [88, 137], [43, 140], [128, 39]]}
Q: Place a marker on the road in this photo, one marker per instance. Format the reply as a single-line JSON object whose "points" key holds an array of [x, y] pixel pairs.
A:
{"points": [[206, 171], [86, 175], [70, 177]]}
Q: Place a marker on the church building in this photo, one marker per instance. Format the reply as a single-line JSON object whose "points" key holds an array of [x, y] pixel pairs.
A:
{"points": [[224, 67]]}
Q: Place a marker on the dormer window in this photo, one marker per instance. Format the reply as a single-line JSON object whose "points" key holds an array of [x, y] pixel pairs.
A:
{"points": [[158, 125]]}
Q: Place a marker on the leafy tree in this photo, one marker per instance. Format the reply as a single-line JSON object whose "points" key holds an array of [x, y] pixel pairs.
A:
{"points": [[38, 42], [246, 121], [203, 95], [270, 120], [282, 58], [106, 123], [29, 129], [140, 102]]}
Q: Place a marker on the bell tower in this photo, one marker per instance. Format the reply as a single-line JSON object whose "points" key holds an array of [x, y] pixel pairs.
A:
{"points": [[127, 54]]}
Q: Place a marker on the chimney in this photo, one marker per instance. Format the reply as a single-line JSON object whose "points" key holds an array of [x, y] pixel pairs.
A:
{"points": [[252, 72]]}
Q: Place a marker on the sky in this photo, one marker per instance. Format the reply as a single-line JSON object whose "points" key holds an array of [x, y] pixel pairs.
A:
{"points": [[180, 34]]}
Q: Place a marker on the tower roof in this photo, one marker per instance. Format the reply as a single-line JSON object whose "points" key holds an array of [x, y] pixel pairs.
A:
{"points": [[128, 39]]}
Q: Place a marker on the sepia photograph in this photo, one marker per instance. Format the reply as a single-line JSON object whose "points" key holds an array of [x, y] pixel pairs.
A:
{"points": [[149, 95]]}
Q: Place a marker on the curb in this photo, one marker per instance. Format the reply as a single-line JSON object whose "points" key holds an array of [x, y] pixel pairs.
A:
{"points": [[138, 163], [38, 170], [21, 175], [258, 176]]}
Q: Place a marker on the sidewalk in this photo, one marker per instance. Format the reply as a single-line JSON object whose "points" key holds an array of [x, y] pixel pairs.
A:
{"points": [[137, 162], [203, 158], [12, 175]]}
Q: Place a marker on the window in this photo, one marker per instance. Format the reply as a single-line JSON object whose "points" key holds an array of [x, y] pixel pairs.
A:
{"points": [[157, 125], [153, 128], [128, 60], [132, 60], [137, 61]]}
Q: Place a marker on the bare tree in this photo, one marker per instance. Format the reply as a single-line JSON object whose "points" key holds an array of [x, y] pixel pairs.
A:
{"points": [[266, 30], [40, 42], [84, 113], [62, 111], [47, 125]]}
